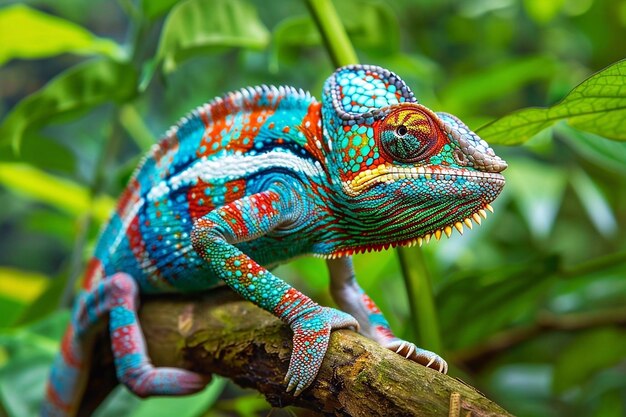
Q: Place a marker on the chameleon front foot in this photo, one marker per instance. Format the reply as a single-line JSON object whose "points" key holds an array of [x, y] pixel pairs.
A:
{"points": [[311, 335], [424, 357]]}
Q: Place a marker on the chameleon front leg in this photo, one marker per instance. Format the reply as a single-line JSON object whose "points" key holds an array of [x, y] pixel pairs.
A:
{"points": [[350, 297], [214, 237]]}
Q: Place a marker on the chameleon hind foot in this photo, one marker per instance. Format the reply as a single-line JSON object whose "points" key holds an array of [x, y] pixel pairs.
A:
{"points": [[148, 380], [422, 356], [311, 335]]}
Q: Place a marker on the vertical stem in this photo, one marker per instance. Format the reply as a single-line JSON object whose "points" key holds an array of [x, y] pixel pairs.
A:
{"points": [[335, 37], [416, 277], [421, 301]]}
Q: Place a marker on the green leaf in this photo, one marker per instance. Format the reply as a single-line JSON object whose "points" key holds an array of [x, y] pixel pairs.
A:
{"points": [[587, 354], [75, 91], [196, 27], [594, 202], [155, 8], [30, 34], [597, 105], [42, 152], [538, 205], [60, 193]]}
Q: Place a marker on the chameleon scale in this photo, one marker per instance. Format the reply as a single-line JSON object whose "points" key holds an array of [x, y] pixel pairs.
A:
{"points": [[260, 176]]}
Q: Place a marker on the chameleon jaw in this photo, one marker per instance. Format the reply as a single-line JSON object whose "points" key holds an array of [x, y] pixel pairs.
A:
{"points": [[385, 173], [420, 240]]}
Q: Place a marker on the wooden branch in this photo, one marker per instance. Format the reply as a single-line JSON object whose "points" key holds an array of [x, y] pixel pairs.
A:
{"points": [[222, 334]]}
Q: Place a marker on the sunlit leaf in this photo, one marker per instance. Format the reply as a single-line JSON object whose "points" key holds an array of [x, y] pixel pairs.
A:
{"points": [[597, 105], [75, 91], [28, 34], [199, 26], [60, 193], [594, 202], [21, 285], [587, 354], [543, 11]]}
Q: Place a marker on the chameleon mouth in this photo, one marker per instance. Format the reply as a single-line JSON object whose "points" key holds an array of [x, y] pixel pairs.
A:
{"points": [[390, 173], [447, 230]]}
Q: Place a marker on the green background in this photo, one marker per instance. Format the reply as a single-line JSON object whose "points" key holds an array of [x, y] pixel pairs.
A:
{"points": [[529, 308]]}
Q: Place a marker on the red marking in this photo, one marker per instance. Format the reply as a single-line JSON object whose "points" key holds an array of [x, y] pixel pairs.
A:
{"points": [[129, 197], [312, 130], [369, 303], [286, 129], [135, 239], [235, 190], [271, 125], [123, 340], [53, 398], [195, 195], [67, 349], [93, 273], [164, 153], [287, 300]]}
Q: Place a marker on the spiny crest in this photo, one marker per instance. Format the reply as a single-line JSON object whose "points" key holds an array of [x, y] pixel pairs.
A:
{"points": [[247, 99]]}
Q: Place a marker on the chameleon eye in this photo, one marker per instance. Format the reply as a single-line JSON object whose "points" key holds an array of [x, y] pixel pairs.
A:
{"points": [[408, 135], [401, 130]]}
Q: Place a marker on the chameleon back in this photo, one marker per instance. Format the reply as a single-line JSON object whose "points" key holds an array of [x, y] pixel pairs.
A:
{"points": [[224, 150]]}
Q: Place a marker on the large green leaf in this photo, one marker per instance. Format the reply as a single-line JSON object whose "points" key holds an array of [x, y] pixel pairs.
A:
{"points": [[60, 193], [75, 91], [597, 105], [29, 34], [197, 26]]}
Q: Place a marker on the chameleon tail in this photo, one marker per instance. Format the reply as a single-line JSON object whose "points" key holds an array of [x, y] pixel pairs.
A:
{"points": [[67, 378]]}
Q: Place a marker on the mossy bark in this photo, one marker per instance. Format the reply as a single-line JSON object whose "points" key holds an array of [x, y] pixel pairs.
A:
{"points": [[222, 334]]}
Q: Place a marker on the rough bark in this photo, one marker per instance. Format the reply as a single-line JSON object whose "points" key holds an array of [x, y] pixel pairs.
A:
{"points": [[222, 334]]}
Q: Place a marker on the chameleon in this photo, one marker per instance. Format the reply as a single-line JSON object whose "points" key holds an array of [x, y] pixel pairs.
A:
{"points": [[255, 178]]}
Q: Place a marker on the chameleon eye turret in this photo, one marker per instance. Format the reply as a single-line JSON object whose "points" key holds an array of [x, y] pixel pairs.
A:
{"points": [[408, 135]]}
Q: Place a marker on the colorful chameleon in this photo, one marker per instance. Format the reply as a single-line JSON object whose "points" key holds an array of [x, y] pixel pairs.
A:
{"points": [[256, 178]]}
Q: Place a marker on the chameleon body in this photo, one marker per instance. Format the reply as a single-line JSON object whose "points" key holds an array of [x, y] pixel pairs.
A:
{"points": [[256, 178]]}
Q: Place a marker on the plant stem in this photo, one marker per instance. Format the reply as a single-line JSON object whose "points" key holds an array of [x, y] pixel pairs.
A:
{"points": [[420, 293], [414, 270], [335, 37]]}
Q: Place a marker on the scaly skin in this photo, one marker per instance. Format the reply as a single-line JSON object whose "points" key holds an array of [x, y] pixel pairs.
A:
{"points": [[256, 178]]}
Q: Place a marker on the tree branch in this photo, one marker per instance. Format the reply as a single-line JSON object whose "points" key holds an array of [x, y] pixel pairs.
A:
{"points": [[222, 334]]}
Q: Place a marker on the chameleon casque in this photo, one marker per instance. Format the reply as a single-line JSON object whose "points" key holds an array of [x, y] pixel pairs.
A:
{"points": [[256, 178]]}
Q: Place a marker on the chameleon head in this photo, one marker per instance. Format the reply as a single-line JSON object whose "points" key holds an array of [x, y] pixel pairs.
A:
{"points": [[416, 172]]}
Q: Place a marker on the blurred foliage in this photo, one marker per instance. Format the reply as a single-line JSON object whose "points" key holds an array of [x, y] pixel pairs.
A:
{"points": [[531, 305]]}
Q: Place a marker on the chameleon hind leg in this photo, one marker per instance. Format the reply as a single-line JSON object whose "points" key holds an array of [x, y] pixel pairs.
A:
{"points": [[350, 297], [118, 296], [214, 237]]}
